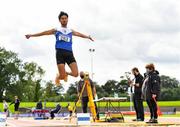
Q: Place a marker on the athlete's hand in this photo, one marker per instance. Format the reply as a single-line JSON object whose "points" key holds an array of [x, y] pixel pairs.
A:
{"points": [[28, 36], [90, 38]]}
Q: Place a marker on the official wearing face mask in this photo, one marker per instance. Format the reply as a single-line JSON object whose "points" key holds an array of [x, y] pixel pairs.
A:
{"points": [[84, 98], [151, 91]]}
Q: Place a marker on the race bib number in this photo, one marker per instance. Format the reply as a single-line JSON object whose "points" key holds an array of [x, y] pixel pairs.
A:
{"points": [[64, 38]]}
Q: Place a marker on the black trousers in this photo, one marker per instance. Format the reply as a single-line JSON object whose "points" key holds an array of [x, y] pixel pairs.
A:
{"points": [[138, 106], [152, 107], [16, 107], [85, 101], [52, 113]]}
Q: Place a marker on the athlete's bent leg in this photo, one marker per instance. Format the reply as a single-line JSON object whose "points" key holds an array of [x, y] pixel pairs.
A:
{"points": [[74, 69], [61, 75]]}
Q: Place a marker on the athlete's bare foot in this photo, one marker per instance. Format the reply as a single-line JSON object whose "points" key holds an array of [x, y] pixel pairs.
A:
{"points": [[57, 80]]}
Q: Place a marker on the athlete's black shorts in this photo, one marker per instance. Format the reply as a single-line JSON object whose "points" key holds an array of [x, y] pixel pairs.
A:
{"points": [[64, 56]]}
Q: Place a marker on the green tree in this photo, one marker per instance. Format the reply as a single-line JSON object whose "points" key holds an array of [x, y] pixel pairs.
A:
{"points": [[19, 79], [100, 91], [110, 87], [37, 91], [52, 93], [10, 73], [33, 77], [168, 82], [170, 94], [71, 94], [121, 87]]}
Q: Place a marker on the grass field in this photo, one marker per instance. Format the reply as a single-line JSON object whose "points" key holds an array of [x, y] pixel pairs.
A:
{"points": [[102, 104]]}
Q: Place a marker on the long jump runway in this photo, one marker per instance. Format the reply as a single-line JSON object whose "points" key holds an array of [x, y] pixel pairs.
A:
{"points": [[29, 122]]}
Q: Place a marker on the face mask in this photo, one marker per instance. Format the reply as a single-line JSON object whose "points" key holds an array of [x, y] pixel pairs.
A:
{"points": [[82, 76], [147, 71]]}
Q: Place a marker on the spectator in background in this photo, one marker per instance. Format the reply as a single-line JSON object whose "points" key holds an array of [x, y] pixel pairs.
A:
{"points": [[16, 103], [70, 109], [56, 110], [39, 105], [5, 106]]}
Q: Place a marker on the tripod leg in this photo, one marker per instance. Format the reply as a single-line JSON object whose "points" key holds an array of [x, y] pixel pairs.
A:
{"points": [[79, 97]]}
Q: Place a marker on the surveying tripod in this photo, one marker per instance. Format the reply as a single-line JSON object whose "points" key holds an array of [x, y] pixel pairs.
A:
{"points": [[90, 97]]}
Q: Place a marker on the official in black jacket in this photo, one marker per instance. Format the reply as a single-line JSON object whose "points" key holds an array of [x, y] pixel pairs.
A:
{"points": [[137, 96], [151, 91]]}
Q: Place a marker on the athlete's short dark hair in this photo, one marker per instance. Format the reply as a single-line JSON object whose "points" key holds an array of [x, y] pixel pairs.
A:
{"points": [[61, 14]]}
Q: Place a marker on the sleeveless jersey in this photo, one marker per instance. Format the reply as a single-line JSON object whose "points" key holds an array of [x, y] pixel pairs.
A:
{"points": [[63, 38]]}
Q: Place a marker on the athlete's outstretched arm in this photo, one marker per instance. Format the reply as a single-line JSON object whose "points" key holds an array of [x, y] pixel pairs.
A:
{"points": [[48, 32], [75, 33]]}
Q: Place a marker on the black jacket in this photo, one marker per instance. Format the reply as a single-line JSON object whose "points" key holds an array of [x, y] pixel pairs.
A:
{"points": [[39, 105], [16, 103], [153, 84], [58, 107], [139, 80]]}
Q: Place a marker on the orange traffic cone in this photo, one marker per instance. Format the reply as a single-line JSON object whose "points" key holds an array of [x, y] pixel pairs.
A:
{"points": [[158, 108]]}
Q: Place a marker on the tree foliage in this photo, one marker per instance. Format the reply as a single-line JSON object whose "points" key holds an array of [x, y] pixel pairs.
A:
{"points": [[25, 81], [18, 78]]}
